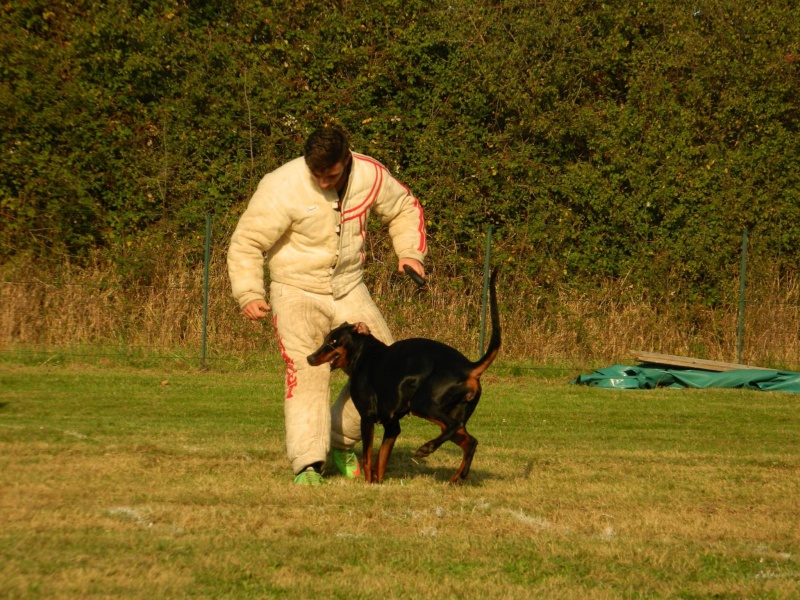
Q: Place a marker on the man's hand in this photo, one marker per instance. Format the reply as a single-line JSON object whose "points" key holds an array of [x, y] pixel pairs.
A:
{"points": [[256, 309], [414, 264]]}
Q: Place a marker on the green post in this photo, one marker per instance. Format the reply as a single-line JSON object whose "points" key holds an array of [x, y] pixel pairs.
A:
{"points": [[485, 284], [206, 260], [740, 331]]}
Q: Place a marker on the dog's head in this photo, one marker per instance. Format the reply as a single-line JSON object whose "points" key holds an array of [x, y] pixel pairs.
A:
{"points": [[339, 346]]}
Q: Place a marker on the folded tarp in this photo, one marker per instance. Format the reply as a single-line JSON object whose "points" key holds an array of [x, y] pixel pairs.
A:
{"points": [[648, 378]]}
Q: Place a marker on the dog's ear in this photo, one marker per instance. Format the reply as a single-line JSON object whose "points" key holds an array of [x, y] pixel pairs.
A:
{"points": [[341, 327], [362, 328]]}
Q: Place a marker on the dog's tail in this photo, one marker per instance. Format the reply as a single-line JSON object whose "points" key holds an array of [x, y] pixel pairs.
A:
{"points": [[494, 342]]}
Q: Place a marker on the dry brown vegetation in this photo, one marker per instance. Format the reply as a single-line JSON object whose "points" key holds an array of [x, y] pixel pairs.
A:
{"points": [[91, 306]]}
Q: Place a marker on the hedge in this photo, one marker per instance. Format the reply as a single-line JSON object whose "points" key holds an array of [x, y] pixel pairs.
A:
{"points": [[594, 137]]}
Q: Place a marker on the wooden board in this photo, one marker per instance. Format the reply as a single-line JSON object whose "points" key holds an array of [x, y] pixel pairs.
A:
{"points": [[692, 363]]}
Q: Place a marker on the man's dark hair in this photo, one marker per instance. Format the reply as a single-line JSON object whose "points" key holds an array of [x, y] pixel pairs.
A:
{"points": [[325, 147]]}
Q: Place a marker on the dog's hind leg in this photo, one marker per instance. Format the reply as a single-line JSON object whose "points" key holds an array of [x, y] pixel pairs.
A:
{"points": [[468, 444], [449, 428]]}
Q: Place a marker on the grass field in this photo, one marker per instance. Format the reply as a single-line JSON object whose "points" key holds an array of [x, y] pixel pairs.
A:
{"points": [[125, 483]]}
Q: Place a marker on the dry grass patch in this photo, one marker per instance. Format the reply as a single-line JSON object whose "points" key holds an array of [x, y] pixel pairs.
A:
{"points": [[95, 306]]}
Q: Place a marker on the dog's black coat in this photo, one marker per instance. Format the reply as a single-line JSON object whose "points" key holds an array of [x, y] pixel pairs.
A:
{"points": [[423, 377]]}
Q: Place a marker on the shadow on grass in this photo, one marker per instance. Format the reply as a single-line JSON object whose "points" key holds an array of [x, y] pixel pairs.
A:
{"points": [[403, 465]]}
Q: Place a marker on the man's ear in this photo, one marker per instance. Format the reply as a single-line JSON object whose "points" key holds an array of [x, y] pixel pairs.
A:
{"points": [[362, 328]]}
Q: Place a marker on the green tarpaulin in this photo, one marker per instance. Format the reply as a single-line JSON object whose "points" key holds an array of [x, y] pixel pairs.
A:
{"points": [[648, 378]]}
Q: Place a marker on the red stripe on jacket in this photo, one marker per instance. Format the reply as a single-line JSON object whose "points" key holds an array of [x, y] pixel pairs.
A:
{"points": [[373, 194], [352, 213]]}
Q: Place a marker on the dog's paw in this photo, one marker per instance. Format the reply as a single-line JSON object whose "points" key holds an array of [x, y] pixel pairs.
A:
{"points": [[424, 451], [361, 328]]}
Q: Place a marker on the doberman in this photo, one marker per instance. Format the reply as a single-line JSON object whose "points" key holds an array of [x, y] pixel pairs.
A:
{"points": [[423, 377]]}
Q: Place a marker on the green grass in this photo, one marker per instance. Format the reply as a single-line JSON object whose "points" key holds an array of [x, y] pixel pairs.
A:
{"points": [[147, 484]]}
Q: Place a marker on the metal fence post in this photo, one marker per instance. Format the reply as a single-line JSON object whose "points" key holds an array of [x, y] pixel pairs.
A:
{"points": [[206, 260], [740, 329]]}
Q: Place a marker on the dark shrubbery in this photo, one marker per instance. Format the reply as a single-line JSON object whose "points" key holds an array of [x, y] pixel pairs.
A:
{"points": [[594, 137]]}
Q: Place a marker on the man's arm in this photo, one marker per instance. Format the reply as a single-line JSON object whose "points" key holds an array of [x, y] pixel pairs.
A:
{"points": [[398, 207], [259, 228]]}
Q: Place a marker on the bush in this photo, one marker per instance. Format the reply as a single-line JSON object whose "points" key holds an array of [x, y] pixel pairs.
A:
{"points": [[599, 139]]}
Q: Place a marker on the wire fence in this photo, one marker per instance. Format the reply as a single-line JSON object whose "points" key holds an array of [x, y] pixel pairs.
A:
{"points": [[187, 316], [192, 346]]}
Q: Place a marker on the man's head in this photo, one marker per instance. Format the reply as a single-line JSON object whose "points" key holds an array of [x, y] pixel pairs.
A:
{"points": [[327, 156]]}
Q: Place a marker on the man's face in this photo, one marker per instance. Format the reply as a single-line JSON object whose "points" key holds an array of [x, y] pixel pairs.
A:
{"points": [[333, 177]]}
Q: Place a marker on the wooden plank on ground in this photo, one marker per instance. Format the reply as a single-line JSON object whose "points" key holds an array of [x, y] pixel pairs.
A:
{"points": [[692, 363]]}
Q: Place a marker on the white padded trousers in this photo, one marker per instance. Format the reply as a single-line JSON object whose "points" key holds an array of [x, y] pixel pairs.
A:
{"points": [[302, 320]]}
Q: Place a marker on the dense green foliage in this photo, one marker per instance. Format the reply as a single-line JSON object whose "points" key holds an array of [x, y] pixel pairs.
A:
{"points": [[594, 137]]}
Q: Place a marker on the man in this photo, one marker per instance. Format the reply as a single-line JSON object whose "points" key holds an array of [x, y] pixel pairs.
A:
{"points": [[309, 217]]}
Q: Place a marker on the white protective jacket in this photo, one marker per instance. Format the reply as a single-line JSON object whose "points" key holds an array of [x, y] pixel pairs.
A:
{"points": [[310, 244]]}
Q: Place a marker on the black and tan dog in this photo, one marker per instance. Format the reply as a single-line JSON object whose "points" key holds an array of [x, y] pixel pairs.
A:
{"points": [[423, 377]]}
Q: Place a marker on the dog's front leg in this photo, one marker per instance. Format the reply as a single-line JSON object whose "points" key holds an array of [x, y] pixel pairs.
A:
{"points": [[390, 432], [367, 440]]}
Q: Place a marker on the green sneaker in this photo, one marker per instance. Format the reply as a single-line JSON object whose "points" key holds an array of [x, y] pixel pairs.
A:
{"points": [[347, 463], [310, 477]]}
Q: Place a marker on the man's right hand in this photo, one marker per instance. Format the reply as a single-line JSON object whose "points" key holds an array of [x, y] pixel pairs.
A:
{"points": [[256, 310]]}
